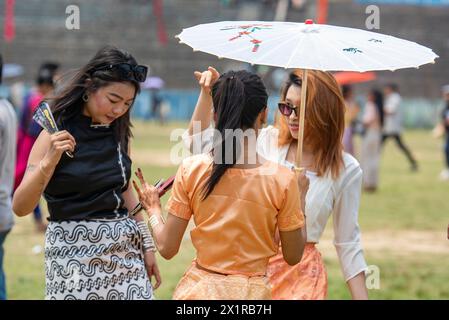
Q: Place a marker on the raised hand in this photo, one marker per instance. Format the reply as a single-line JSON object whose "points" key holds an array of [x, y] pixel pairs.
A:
{"points": [[148, 194], [206, 79]]}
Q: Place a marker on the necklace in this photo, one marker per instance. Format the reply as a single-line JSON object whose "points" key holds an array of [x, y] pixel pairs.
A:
{"points": [[100, 125]]}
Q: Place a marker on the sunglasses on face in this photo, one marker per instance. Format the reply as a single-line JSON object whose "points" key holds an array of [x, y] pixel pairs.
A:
{"points": [[128, 71], [286, 109]]}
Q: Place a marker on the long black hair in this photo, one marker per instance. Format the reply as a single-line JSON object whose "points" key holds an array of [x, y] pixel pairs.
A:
{"points": [[238, 98], [379, 102], [68, 102]]}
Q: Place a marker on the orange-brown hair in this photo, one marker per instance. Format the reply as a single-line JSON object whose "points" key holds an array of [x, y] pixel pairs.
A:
{"points": [[324, 119]]}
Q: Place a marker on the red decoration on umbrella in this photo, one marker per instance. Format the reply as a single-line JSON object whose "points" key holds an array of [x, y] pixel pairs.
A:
{"points": [[256, 44], [249, 30], [9, 29]]}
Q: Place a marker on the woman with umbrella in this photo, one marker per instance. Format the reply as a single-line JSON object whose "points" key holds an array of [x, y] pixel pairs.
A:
{"points": [[314, 140], [335, 181]]}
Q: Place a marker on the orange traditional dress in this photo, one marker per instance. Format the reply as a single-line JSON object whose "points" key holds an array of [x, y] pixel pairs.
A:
{"points": [[234, 233], [338, 197]]}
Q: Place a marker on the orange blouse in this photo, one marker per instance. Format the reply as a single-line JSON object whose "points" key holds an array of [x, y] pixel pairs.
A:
{"points": [[235, 225]]}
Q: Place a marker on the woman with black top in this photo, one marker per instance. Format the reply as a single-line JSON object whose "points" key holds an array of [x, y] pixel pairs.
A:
{"points": [[93, 248]]}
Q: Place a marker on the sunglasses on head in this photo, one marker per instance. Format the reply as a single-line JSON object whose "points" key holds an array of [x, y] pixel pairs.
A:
{"points": [[128, 71], [286, 109]]}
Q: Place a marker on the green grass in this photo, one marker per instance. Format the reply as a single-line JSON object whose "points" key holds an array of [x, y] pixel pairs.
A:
{"points": [[423, 277], [405, 202], [409, 200]]}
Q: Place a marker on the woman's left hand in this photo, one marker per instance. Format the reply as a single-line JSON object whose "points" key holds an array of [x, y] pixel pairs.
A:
{"points": [[152, 268], [148, 194], [206, 79]]}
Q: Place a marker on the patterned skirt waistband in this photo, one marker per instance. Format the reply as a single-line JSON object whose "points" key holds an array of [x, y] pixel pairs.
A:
{"points": [[106, 218]]}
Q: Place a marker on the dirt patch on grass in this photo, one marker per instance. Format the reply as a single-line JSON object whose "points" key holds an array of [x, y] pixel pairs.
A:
{"points": [[401, 242]]}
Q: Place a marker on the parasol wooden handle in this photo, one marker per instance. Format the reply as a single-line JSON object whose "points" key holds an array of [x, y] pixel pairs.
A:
{"points": [[302, 111]]}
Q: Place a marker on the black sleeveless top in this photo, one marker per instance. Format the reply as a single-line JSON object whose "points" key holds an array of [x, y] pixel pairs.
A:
{"points": [[90, 185]]}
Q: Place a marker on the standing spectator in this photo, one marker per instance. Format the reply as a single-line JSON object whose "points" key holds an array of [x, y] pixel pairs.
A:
{"points": [[8, 129], [393, 125], [29, 130], [373, 118], [351, 113], [445, 121], [156, 104]]}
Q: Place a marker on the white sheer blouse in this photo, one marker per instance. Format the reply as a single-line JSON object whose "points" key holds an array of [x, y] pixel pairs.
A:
{"points": [[326, 196]]}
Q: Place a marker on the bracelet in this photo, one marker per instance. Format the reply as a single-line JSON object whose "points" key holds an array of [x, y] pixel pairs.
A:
{"points": [[148, 242], [42, 170], [154, 221]]}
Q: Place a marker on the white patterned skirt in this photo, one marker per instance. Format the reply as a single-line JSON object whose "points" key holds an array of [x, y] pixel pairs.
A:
{"points": [[95, 259]]}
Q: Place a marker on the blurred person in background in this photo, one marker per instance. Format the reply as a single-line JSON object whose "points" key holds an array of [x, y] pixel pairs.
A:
{"points": [[445, 123], [13, 73], [393, 121], [156, 101], [352, 111], [8, 131], [29, 130], [17, 94], [373, 118]]}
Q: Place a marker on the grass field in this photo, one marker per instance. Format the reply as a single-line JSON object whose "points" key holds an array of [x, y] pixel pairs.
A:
{"points": [[404, 226]]}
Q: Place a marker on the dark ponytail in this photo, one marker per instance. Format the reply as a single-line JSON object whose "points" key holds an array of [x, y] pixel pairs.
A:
{"points": [[238, 98]]}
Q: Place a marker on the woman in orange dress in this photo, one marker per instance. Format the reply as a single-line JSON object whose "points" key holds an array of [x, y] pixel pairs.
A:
{"points": [[335, 182], [237, 201]]}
